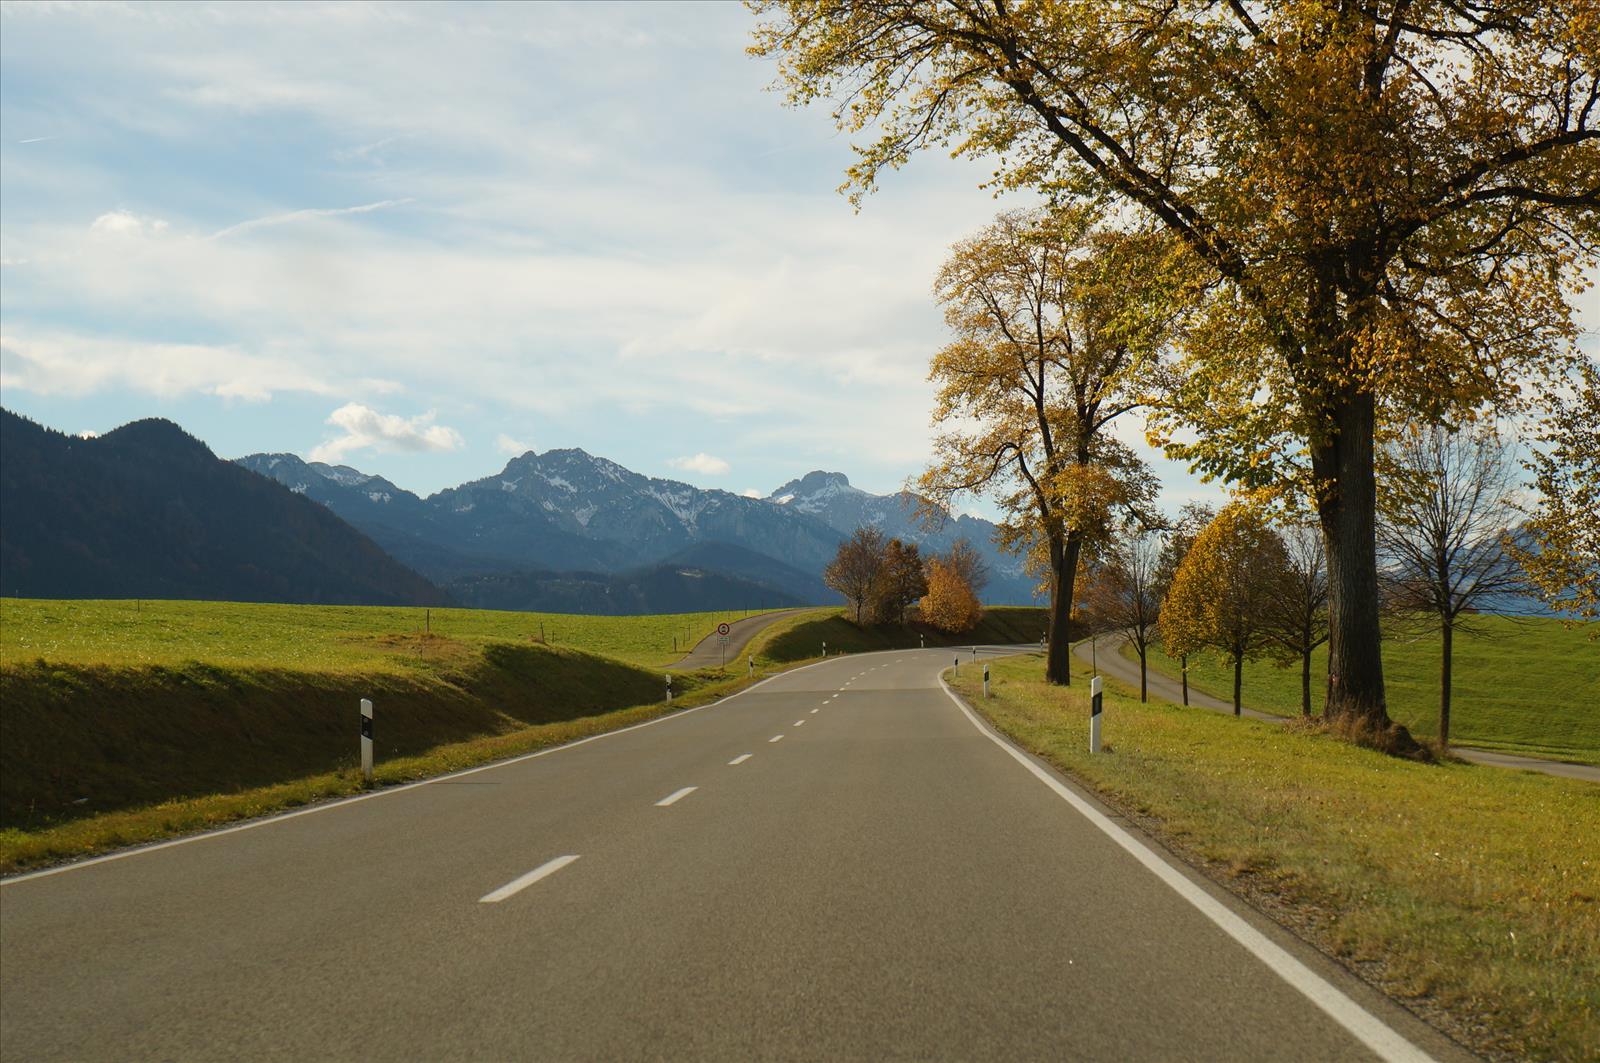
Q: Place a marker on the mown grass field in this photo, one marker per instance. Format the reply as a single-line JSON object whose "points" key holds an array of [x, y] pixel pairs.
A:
{"points": [[317, 637], [1529, 686], [1469, 892]]}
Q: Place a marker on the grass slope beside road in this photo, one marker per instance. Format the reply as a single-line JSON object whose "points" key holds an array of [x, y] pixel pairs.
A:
{"points": [[1528, 687], [1471, 893], [803, 636]]}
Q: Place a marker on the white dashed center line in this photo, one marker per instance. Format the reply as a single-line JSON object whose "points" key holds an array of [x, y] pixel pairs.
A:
{"points": [[740, 759], [813, 712], [517, 885], [797, 723], [672, 798], [776, 738]]}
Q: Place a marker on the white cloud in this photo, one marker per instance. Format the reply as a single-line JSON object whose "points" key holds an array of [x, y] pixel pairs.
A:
{"points": [[126, 223], [514, 447], [366, 428], [751, 492], [301, 215], [701, 463]]}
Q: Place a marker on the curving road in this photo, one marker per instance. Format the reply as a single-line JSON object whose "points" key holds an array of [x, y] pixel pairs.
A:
{"points": [[709, 653], [839, 863]]}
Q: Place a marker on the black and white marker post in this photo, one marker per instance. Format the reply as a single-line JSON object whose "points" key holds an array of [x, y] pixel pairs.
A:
{"points": [[1094, 714], [366, 741], [986, 681], [669, 690]]}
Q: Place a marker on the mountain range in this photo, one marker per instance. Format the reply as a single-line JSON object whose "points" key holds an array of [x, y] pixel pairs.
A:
{"points": [[553, 522], [147, 511]]}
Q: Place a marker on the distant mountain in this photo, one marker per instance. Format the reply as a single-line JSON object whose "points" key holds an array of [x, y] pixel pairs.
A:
{"points": [[830, 497], [569, 514], [148, 511]]}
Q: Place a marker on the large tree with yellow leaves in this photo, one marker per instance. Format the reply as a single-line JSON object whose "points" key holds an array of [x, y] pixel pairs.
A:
{"points": [[1396, 200]]}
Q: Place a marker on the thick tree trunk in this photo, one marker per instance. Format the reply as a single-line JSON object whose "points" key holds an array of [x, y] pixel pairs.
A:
{"points": [[1347, 509], [1238, 681], [1444, 683], [1058, 653], [1305, 683]]}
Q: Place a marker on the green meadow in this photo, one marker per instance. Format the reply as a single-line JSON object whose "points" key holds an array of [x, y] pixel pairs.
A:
{"points": [[1529, 686]]}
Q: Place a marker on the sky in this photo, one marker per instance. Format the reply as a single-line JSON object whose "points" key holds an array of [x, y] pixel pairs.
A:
{"points": [[420, 240]]}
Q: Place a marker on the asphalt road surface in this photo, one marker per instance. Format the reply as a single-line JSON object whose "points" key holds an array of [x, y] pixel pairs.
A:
{"points": [[1105, 651], [840, 863]]}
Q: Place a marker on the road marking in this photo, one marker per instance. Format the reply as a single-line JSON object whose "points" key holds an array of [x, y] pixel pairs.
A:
{"points": [[776, 738], [740, 759], [1365, 1027], [813, 712], [797, 723], [387, 791], [517, 885], [676, 796]]}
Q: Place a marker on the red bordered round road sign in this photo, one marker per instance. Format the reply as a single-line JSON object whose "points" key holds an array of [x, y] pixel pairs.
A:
{"points": [[722, 629]]}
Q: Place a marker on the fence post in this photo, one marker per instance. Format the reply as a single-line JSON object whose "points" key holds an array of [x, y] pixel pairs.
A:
{"points": [[366, 741], [1095, 702]]}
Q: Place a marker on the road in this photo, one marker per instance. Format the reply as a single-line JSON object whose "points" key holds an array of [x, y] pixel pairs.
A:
{"points": [[709, 653], [839, 863], [1106, 652]]}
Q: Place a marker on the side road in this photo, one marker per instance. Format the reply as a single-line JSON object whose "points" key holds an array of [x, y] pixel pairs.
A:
{"points": [[1105, 651], [708, 652]]}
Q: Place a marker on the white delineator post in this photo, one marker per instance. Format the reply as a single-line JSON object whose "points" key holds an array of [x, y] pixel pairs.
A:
{"points": [[986, 681], [922, 642], [1095, 700], [752, 661], [669, 690], [957, 662], [366, 741]]}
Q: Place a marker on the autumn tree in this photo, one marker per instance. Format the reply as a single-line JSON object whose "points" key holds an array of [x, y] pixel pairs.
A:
{"points": [[857, 570], [1124, 594], [1057, 327], [1220, 593], [1394, 200], [1297, 602], [1445, 513], [950, 604], [1175, 546], [1561, 554], [904, 581]]}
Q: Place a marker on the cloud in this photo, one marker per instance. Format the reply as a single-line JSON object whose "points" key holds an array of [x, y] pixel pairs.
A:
{"points": [[514, 447], [751, 492], [366, 428], [701, 463], [126, 223], [301, 215]]}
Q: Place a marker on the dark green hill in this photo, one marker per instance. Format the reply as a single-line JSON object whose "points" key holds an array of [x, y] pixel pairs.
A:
{"points": [[147, 511]]}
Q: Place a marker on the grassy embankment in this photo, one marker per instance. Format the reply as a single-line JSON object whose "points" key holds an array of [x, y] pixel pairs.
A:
{"points": [[1470, 892], [1530, 686], [802, 638], [124, 722]]}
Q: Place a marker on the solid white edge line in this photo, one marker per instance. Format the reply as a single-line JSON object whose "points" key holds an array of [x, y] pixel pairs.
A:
{"points": [[517, 885], [676, 796], [123, 854], [1361, 1023], [740, 759]]}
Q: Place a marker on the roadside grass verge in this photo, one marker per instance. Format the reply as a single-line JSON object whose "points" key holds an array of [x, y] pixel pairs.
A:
{"points": [[1529, 686], [322, 638], [801, 638], [94, 834], [1470, 893]]}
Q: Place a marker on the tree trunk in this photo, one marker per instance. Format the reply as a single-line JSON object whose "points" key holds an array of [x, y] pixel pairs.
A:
{"points": [[1183, 666], [1305, 683], [1346, 508], [1064, 568], [1143, 689], [1444, 684], [1238, 680]]}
